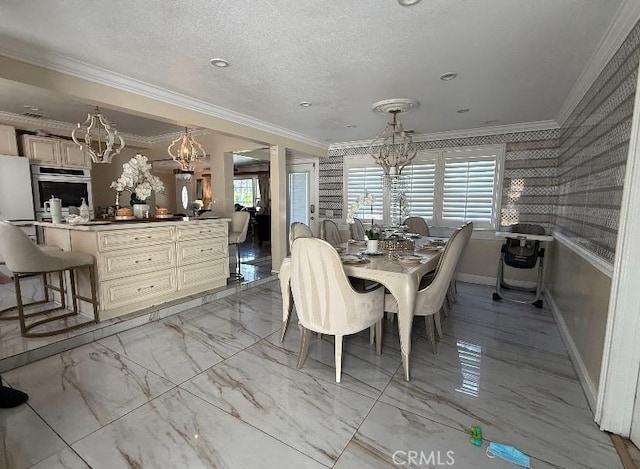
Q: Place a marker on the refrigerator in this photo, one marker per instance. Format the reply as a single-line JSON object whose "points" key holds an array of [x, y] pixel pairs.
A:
{"points": [[16, 196]]}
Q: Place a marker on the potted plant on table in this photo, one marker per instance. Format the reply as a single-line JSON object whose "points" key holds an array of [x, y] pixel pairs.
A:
{"points": [[137, 179], [373, 235]]}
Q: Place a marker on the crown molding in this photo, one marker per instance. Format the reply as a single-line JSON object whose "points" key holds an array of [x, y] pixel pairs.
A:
{"points": [[70, 66], [465, 133], [66, 127], [626, 18]]}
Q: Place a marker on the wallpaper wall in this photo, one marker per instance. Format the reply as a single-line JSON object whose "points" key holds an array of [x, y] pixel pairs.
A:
{"points": [[529, 190], [593, 152]]}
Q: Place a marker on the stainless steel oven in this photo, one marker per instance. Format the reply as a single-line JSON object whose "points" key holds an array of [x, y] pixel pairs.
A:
{"points": [[70, 185]]}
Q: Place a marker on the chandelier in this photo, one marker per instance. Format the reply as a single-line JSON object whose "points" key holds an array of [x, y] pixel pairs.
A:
{"points": [[393, 148], [101, 140], [186, 152]]}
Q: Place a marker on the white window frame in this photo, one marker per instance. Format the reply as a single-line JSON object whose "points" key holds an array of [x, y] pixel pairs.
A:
{"points": [[255, 187], [365, 160]]}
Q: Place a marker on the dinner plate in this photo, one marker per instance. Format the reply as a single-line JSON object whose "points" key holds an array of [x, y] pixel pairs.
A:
{"points": [[409, 259], [358, 243], [437, 243], [353, 260], [413, 235], [431, 248]]}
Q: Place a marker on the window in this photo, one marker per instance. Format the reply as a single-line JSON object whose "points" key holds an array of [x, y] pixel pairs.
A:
{"points": [[447, 187], [246, 191]]}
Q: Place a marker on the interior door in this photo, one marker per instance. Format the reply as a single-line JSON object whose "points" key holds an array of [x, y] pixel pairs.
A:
{"points": [[302, 195], [635, 420]]}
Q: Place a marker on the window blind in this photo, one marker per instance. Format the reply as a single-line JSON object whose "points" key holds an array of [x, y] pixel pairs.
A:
{"points": [[361, 180], [420, 188], [468, 189]]}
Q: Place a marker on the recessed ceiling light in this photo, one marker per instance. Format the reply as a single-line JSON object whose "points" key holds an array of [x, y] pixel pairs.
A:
{"points": [[462, 111], [448, 76], [493, 121], [219, 63], [408, 3], [351, 126], [305, 103], [30, 107]]}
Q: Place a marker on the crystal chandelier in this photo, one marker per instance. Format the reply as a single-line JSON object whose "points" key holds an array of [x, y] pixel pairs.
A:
{"points": [[393, 148], [101, 140], [186, 152]]}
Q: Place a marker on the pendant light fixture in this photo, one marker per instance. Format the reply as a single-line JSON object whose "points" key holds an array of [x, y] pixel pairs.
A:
{"points": [[101, 140], [186, 152]]}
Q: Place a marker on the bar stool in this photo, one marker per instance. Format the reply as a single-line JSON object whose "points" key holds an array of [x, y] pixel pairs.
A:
{"points": [[24, 258], [237, 235]]}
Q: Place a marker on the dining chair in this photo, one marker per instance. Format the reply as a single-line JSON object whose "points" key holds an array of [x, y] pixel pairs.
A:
{"points": [[357, 230], [430, 299], [331, 233], [238, 235], [23, 258], [325, 301], [417, 225], [299, 230]]}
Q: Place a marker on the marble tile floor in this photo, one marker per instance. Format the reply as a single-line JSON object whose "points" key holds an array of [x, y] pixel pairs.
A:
{"points": [[16, 350], [214, 387]]}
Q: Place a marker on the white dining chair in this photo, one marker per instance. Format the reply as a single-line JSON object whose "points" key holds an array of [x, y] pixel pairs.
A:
{"points": [[299, 230], [237, 236], [331, 233], [325, 301], [430, 299], [357, 230], [23, 258], [417, 225]]}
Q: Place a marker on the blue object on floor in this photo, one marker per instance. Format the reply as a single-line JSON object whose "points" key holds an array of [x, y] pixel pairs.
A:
{"points": [[508, 453]]}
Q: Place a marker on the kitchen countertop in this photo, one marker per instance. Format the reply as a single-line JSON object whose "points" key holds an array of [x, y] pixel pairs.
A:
{"points": [[99, 225]]}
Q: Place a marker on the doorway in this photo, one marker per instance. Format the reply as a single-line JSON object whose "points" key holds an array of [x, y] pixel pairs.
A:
{"points": [[302, 195]]}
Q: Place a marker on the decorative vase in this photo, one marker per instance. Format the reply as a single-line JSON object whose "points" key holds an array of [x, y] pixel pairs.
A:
{"points": [[372, 246], [141, 210]]}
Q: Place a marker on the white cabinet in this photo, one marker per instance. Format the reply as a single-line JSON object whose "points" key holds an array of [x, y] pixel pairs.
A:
{"points": [[8, 143], [50, 151]]}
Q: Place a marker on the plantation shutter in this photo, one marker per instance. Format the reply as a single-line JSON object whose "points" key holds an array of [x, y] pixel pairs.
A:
{"points": [[361, 179], [420, 188], [468, 189]]}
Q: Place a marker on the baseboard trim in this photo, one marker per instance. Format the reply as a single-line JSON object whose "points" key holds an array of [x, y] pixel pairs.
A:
{"points": [[588, 386], [486, 280]]}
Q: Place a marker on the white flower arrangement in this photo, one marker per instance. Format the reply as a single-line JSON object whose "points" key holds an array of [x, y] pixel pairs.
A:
{"points": [[366, 198], [137, 179]]}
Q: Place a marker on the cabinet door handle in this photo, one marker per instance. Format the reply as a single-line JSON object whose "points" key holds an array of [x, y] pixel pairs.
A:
{"points": [[146, 288], [205, 231], [203, 250], [142, 237], [143, 260]]}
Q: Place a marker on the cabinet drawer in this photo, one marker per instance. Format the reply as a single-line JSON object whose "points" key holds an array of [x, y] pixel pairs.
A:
{"points": [[201, 230], [139, 289], [125, 239], [190, 252], [206, 275], [122, 263]]}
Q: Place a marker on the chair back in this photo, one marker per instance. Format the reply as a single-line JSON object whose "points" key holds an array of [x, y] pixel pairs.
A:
{"points": [[20, 254], [324, 299], [357, 230], [430, 299], [239, 226], [331, 233], [417, 225], [298, 230]]}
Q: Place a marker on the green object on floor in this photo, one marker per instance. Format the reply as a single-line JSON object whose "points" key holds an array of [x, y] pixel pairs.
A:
{"points": [[476, 435]]}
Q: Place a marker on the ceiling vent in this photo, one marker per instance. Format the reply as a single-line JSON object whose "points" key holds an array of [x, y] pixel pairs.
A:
{"points": [[35, 115]]}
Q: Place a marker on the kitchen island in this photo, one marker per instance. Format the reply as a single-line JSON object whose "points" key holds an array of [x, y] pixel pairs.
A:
{"points": [[143, 264]]}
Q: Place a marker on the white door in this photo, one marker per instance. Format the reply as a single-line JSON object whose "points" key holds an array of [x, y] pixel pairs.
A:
{"points": [[635, 420], [302, 195]]}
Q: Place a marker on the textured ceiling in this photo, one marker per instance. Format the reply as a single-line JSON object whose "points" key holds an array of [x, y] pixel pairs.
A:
{"points": [[517, 60], [15, 96]]}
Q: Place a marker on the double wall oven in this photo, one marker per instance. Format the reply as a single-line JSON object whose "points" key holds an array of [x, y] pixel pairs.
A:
{"points": [[69, 185]]}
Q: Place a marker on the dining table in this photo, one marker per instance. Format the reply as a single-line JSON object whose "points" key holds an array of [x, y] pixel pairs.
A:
{"points": [[389, 268]]}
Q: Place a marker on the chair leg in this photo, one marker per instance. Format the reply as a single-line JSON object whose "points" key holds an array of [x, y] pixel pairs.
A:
{"points": [[431, 333], [372, 334], [94, 296], [446, 308], [437, 319], [379, 337], [338, 358], [304, 345], [74, 297], [18, 290]]}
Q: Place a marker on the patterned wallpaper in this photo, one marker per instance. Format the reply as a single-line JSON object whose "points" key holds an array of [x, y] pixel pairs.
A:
{"points": [[593, 152], [529, 190]]}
